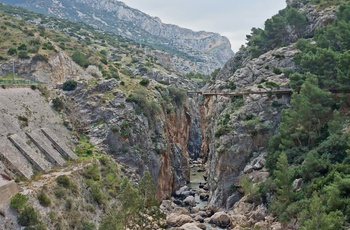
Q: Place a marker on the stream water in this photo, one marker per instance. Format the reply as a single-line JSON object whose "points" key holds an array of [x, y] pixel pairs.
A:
{"points": [[197, 178]]}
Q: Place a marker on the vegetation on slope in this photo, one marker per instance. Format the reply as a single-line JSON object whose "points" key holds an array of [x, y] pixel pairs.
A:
{"points": [[313, 140], [98, 196]]}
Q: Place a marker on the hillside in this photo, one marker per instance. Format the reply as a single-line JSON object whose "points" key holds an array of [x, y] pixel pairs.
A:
{"points": [[280, 161], [188, 50], [108, 103]]}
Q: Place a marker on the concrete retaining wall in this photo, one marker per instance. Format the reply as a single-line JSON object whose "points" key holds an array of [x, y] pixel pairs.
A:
{"points": [[15, 161], [44, 145], [35, 159], [59, 145]]}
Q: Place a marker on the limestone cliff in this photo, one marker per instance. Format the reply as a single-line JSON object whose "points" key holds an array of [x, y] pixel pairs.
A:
{"points": [[239, 127], [155, 141], [57, 68]]}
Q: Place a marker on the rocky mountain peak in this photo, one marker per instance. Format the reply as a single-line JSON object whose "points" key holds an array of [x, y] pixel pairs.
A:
{"points": [[193, 51]]}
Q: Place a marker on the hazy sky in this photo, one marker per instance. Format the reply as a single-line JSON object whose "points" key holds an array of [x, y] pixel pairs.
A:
{"points": [[231, 18]]}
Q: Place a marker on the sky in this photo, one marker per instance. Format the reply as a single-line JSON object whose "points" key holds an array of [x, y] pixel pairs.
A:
{"points": [[231, 18]]}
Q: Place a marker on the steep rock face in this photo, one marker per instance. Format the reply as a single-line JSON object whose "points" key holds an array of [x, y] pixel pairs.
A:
{"points": [[153, 142], [196, 132], [197, 51], [241, 126], [316, 18], [57, 69]]}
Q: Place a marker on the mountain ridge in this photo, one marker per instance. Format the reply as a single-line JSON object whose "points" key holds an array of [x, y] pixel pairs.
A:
{"points": [[205, 51]]}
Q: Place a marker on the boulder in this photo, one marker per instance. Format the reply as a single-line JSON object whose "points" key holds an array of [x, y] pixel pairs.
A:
{"points": [[175, 220], [204, 196], [248, 169], [221, 219], [202, 214], [106, 85], [198, 218], [259, 213], [190, 226], [276, 226], [167, 206], [190, 201], [297, 184], [259, 163], [239, 219]]}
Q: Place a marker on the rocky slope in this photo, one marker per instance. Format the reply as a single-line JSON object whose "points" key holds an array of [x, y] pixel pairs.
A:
{"points": [[239, 127], [243, 125], [189, 51], [154, 141], [143, 123]]}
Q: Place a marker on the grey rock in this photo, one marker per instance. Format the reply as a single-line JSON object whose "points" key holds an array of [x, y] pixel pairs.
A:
{"points": [[175, 220], [221, 219], [190, 226], [106, 85], [248, 169], [190, 201], [199, 219], [297, 184]]}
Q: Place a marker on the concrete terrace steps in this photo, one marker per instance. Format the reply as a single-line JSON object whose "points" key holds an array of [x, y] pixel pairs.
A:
{"points": [[46, 148], [34, 158], [39, 151], [59, 145], [14, 160]]}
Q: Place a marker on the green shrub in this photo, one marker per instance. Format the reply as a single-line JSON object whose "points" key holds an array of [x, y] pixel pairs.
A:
{"points": [[222, 131], [48, 46], [57, 104], [69, 204], [69, 85], [18, 202], [84, 148], [177, 95], [60, 192], [271, 84], [40, 57], [144, 82], [44, 199], [80, 58], [28, 217], [231, 85], [64, 181], [92, 173], [23, 54], [277, 71], [22, 47], [97, 195], [114, 128], [89, 226]]}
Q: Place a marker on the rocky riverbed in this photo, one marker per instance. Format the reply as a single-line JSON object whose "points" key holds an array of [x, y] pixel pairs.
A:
{"points": [[188, 208]]}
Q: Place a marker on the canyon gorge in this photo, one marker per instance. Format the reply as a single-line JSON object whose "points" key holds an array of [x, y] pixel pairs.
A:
{"points": [[256, 144]]}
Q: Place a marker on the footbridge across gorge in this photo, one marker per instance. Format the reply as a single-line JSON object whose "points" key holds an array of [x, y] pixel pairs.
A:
{"points": [[247, 93], [242, 93]]}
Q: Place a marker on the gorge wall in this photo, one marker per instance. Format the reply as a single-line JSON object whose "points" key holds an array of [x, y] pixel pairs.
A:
{"points": [[145, 141], [239, 127]]}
